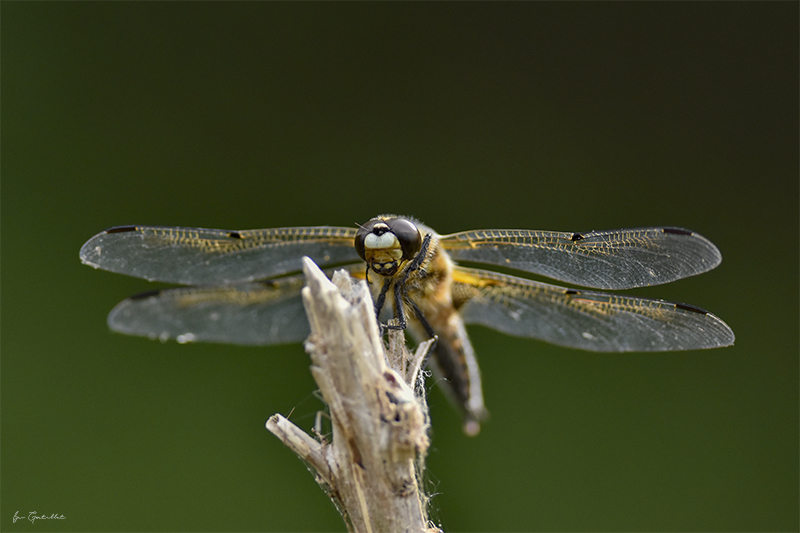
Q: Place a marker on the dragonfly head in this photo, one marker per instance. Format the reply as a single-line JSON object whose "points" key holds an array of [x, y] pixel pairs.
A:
{"points": [[385, 242]]}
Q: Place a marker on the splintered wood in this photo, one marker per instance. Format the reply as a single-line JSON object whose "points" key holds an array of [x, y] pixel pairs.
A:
{"points": [[373, 466]]}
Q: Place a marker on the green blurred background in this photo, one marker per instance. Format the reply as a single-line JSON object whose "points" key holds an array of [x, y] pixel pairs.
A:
{"points": [[567, 116]]}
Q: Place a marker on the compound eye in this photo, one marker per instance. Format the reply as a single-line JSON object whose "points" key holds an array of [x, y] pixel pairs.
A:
{"points": [[407, 234], [361, 236]]}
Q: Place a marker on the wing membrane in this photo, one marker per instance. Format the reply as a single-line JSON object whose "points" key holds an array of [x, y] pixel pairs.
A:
{"points": [[197, 256], [584, 319], [254, 313], [619, 259]]}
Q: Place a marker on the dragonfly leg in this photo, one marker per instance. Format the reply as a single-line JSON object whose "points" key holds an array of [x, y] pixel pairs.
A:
{"points": [[418, 259], [429, 330], [399, 309], [380, 301], [400, 289]]}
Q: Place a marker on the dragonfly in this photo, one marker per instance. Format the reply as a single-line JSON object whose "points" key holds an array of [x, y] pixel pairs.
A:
{"points": [[243, 287]]}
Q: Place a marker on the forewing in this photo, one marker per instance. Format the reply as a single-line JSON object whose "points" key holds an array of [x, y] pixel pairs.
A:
{"points": [[255, 313], [619, 259], [196, 256], [586, 320]]}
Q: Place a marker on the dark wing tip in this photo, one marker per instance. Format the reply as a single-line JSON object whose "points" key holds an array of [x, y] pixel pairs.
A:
{"points": [[90, 251], [121, 229], [677, 231], [146, 294], [692, 308], [707, 250]]}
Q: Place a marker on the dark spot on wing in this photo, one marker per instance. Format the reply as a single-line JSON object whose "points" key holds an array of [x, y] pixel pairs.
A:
{"points": [[692, 308], [571, 292], [121, 229], [677, 231], [576, 237], [143, 295], [234, 235]]}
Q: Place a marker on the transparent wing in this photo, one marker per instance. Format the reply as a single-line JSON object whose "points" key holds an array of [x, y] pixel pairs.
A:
{"points": [[619, 259], [196, 256], [254, 313], [584, 319]]}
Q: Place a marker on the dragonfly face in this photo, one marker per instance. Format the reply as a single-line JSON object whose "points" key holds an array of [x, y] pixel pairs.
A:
{"points": [[244, 287], [384, 242]]}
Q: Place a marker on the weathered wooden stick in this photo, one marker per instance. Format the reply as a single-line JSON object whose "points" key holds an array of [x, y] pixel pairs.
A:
{"points": [[373, 465]]}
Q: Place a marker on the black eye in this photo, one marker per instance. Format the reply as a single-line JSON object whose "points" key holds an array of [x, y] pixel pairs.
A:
{"points": [[408, 235], [361, 234]]}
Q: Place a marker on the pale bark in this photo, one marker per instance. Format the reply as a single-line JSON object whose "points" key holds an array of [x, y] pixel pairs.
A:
{"points": [[372, 467]]}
